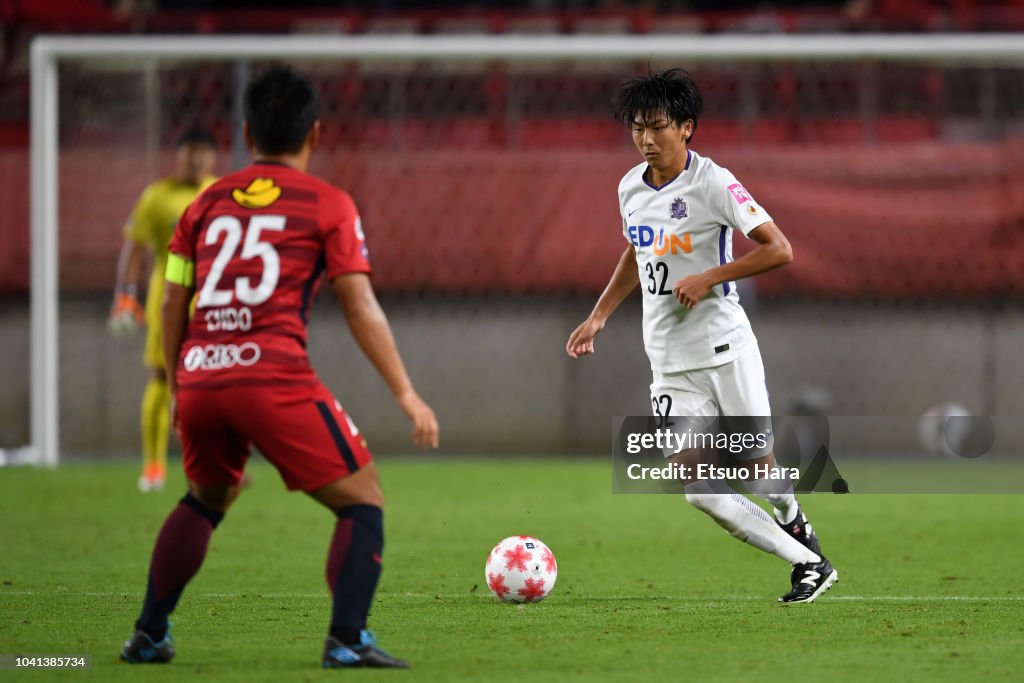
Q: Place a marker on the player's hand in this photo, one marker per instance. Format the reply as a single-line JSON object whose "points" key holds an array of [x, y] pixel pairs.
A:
{"points": [[425, 431], [126, 315], [691, 289], [581, 341]]}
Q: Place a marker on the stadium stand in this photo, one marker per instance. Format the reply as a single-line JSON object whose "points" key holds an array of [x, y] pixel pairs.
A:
{"points": [[508, 128]]}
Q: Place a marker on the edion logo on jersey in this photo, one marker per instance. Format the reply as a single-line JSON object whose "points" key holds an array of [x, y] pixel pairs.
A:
{"points": [[644, 236], [221, 356]]}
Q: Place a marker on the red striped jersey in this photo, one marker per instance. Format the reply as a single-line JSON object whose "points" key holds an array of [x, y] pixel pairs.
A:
{"points": [[260, 240]]}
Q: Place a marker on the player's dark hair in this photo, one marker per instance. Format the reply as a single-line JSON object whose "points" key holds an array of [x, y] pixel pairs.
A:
{"points": [[280, 108], [196, 136], [671, 92]]}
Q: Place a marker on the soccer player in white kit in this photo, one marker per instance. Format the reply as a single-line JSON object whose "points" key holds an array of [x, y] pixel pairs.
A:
{"points": [[679, 210]]}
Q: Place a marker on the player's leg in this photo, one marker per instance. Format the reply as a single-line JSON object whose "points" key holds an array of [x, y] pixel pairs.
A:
{"points": [[687, 396], [741, 391], [214, 458], [746, 521], [354, 567], [317, 449], [155, 413], [356, 549], [809, 578], [155, 424]]}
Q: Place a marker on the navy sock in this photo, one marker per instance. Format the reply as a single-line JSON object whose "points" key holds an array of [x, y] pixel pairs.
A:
{"points": [[353, 568], [177, 556]]}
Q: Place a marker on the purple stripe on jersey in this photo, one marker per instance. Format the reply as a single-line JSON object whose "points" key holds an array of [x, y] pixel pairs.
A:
{"points": [[689, 155], [656, 188], [721, 255], [307, 288]]}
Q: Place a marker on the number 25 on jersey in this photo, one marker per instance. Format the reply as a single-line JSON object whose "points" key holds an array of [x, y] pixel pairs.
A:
{"points": [[253, 247]]}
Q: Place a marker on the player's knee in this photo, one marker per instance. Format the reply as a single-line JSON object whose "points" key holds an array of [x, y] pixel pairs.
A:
{"points": [[705, 502], [216, 497], [372, 495], [721, 508], [361, 488], [369, 516], [213, 516], [711, 497]]}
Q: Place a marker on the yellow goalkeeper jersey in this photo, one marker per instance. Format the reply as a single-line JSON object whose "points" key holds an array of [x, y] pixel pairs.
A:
{"points": [[152, 223]]}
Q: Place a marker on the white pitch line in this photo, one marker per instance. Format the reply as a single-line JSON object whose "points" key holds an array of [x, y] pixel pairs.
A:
{"points": [[884, 598], [609, 598]]}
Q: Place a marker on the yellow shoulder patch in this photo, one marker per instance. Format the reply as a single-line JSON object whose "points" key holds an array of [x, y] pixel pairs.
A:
{"points": [[261, 193]]}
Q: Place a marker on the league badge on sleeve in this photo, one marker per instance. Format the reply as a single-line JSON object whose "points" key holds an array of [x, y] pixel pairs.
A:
{"points": [[678, 209], [739, 193]]}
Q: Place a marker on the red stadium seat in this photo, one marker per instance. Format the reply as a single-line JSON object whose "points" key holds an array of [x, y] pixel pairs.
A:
{"points": [[904, 129], [553, 133]]}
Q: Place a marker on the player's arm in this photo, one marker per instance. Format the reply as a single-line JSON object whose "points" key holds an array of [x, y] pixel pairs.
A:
{"points": [[126, 312], [372, 332], [178, 291], [772, 251], [623, 281], [131, 263]]}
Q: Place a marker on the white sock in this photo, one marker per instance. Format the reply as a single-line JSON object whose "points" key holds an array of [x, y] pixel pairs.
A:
{"points": [[748, 522], [778, 493]]}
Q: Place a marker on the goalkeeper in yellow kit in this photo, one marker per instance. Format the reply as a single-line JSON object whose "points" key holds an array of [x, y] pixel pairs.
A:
{"points": [[149, 230]]}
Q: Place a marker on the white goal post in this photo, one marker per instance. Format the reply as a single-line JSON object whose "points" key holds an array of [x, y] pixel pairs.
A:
{"points": [[47, 52]]}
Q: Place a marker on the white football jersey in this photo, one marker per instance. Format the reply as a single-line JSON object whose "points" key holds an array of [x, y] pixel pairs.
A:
{"points": [[683, 228]]}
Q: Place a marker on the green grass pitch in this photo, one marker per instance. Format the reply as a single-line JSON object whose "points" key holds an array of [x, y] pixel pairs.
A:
{"points": [[648, 588]]}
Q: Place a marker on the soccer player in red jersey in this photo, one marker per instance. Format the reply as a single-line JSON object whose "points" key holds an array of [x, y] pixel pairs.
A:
{"points": [[255, 246]]}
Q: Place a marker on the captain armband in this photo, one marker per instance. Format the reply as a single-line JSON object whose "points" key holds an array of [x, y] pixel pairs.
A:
{"points": [[180, 271]]}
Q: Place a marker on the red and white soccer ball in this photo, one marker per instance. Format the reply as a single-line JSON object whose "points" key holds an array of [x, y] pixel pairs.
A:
{"points": [[521, 569]]}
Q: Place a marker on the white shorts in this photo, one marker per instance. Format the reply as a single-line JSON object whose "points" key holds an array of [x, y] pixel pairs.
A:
{"points": [[735, 389]]}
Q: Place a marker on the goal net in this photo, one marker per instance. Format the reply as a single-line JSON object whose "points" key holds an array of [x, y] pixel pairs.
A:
{"points": [[485, 169]]}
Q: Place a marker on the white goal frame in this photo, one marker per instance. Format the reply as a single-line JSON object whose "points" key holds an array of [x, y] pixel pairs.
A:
{"points": [[48, 51]]}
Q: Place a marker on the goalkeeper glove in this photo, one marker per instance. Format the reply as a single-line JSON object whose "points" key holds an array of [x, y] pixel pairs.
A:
{"points": [[126, 315]]}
